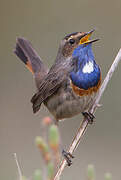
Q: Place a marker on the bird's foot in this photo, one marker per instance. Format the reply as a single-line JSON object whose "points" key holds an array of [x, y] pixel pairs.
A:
{"points": [[68, 157], [89, 116]]}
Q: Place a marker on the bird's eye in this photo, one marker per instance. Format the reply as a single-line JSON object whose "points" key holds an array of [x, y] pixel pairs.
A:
{"points": [[72, 41]]}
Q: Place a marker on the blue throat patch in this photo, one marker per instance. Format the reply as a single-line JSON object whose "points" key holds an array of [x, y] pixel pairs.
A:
{"points": [[86, 72]]}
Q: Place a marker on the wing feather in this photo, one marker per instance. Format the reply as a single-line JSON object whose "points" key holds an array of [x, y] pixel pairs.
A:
{"points": [[50, 84]]}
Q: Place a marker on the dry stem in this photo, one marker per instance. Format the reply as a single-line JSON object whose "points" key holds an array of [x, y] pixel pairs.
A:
{"points": [[18, 167], [84, 123]]}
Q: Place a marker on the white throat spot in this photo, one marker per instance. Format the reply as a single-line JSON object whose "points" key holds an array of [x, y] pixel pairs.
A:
{"points": [[88, 68]]}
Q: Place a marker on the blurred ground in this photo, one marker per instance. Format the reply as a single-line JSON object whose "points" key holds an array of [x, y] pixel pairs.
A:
{"points": [[44, 23]]}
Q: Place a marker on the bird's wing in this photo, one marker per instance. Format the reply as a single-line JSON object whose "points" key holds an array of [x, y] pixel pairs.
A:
{"points": [[53, 80]]}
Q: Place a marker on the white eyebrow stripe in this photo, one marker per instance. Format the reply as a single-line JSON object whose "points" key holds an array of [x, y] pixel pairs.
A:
{"points": [[88, 67]]}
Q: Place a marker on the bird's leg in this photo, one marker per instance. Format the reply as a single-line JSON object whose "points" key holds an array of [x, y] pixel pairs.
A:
{"points": [[68, 156], [89, 116]]}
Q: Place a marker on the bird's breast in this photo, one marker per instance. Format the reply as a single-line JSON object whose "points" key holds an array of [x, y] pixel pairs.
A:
{"points": [[86, 77], [85, 92]]}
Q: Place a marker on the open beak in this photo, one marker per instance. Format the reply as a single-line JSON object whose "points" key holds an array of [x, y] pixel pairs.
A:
{"points": [[84, 39]]}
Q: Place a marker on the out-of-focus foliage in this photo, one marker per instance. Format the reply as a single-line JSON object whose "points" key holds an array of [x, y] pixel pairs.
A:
{"points": [[49, 149]]}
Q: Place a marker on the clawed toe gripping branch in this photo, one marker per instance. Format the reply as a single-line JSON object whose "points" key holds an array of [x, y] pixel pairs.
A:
{"points": [[85, 121]]}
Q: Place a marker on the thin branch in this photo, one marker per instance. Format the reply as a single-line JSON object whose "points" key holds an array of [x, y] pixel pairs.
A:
{"points": [[18, 167], [84, 123]]}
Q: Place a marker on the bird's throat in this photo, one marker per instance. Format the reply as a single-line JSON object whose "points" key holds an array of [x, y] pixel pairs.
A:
{"points": [[86, 73]]}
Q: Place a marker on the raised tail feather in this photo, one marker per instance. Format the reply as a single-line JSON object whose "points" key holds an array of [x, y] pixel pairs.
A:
{"points": [[31, 59], [33, 62]]}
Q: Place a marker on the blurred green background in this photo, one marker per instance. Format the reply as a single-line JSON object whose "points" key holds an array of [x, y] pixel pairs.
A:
{"points": [[45, 23]]}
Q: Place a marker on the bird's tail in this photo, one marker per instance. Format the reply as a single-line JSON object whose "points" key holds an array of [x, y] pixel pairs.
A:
{"points": [[31, 59]]}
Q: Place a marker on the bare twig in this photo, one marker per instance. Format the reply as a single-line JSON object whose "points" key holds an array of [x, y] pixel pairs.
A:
{"points": [[18, 167], [84, 123]]}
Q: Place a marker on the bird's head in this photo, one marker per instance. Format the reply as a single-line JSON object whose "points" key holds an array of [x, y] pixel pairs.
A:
{"points": [[74, 40]]}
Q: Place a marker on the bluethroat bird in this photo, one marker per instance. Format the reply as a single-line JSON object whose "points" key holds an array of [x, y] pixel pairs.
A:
{"points": [[71, 84]]}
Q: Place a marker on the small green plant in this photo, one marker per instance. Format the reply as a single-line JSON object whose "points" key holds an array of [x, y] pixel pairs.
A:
{"points": [[91, 174], [37, 174], [49, 148], [48, 145]]}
